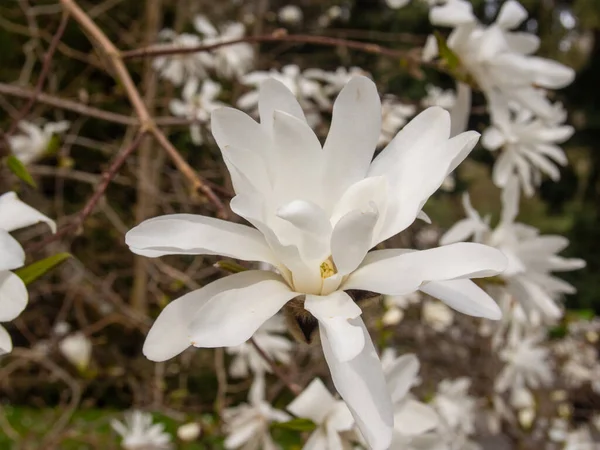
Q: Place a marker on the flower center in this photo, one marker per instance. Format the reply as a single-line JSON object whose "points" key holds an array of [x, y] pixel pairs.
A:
{"points": [[328, 268]]}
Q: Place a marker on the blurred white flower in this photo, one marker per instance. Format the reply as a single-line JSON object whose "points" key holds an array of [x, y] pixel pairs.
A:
{"points": [[395, 115], [230, 61], [397, 4], [33, 143], [500, 60], [14, 214], [334, 82], [437, 315], [180, 68], [61, 328], [189, 432], [395, 306], [436, 96], [197, 105], [290, 15], [527, 146], [77, 349], [139, 433], [247, 425], [532, 257], [268, 337], [331, 416], [308, 202]]}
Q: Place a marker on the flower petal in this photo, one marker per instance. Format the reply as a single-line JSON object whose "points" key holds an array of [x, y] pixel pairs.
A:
{"points": [[15, 214], [275, 96], [492, 138], [190, 234], [452, 14], [401, 376], [361, 384], [352, 238], [353, 135], [334, 313], [414, 418], [169, 334], [398, 272], [13, 296], [511, 15], [231, 317], [314, 403], [12, 254], [6, 345], [464, 296]]}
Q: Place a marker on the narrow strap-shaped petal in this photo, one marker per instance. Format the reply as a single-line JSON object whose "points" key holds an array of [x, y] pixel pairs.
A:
{"points": [[5, 341], [511, 15], [15, 214], [361, 384], [401, 376], [314, 403], [13, 296], [275, 96], [413, 418], [12, 255]]}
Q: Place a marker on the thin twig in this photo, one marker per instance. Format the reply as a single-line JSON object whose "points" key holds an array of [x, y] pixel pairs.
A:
{"points": [[293, 387], [40, 81]]}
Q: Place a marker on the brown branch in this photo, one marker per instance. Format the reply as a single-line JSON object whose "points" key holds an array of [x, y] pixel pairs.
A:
{"points": [[293, 387], [147, 123], [277, 36], [4, 145]]}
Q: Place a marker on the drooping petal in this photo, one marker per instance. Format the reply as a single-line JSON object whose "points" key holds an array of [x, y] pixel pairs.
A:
{"points": [[361, 384], [12, 255], [352, 238], [15, 214], [190, 234], [231, 317], [398, 272], [314, 403], [5, 341], [401, 376], [335, 313], [169, 335], [353, 135], [464, 296], [13, 296]]}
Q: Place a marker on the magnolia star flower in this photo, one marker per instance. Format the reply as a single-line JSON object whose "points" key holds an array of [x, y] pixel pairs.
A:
{"points": [[528, 145], [317, 212], [247, 425], [196, 105], [268, 338], [33, 143], [180, 68], [331, 416], [230, 61], [500, 60], [14, 214], [139, 433], [532, 258], [77, 349]]}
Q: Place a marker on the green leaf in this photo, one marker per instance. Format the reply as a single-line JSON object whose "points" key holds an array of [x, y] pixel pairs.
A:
{"points": [[17, 167], [448, 56], [34, 271], [296, 425], [230, 266]]}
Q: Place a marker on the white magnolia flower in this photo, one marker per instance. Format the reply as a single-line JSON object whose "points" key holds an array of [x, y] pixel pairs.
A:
{"points": [[14, 214], [189, 432], [395, 115], [501, 60], [247, 425], [436, 96], [437, 315], [528, 146], [413, 420], [331, 416], [230, 61], [33, 143], [139, 433], [290, 14], [268, 338], [197, 105], [77, 349], [532, 258], [180, 68], [317, 211]]}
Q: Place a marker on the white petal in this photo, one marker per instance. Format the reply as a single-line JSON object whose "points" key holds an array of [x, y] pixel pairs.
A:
{"points": [[492, 138], [274, 96], [415, 418], [13, 296], [512, 14], [353, 135], [12, 255], [15, 214], [510, 201], [169, 334], [5, 341], [334, 313], [464, 296], [461, 111], [522, 42], [231, 317], [397, 272], [460, 231], [504, 168], [203, 26], [306, 216], [352, 238], [361, 384], [190, 234], [401, 376], [314, 403], [550, 74], [452, 14]]}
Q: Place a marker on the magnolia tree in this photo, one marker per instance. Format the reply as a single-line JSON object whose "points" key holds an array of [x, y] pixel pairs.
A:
{"points": [[290, 286]]}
